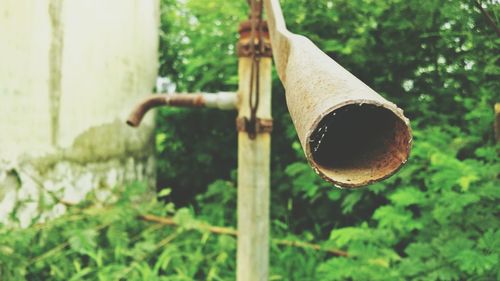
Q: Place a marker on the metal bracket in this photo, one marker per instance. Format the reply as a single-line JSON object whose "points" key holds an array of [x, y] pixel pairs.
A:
{"points": [[261, 125], [244, 48]]}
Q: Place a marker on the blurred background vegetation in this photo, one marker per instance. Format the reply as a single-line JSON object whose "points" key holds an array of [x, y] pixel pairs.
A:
{"points": [[437, 219]]}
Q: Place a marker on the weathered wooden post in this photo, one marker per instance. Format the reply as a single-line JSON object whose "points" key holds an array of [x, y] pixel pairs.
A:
{"points": [[254, 125]]}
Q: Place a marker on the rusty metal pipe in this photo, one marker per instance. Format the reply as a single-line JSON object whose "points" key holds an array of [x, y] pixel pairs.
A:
{"points": [[222, 100], [350, 135]]}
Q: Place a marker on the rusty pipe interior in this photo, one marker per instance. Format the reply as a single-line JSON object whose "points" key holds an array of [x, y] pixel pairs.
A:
{"points": [[359, 143]]}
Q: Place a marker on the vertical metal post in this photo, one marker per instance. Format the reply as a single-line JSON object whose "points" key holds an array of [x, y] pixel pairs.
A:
{"points": [[253, 173]]}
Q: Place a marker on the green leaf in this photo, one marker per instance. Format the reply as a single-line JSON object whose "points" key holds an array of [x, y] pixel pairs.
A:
{"points": [[83, 241], [350, 201], [347, 234], [164, 192], [420, 250], [474, 262], [407, 196]]}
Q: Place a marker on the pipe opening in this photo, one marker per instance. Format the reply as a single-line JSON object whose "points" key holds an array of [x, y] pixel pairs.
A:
{"points": [[360, 143]]}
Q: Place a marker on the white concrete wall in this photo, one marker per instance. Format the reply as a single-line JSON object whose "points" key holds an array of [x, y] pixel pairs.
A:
{"points": [[70, 71], [24, 98]]}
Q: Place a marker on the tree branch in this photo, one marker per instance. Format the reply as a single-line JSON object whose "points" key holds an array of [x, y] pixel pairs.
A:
{"points": [[488, 17], [233, 232]]}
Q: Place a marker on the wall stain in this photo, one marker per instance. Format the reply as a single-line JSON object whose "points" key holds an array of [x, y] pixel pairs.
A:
{"points": [[55, 65], [102, 143]]}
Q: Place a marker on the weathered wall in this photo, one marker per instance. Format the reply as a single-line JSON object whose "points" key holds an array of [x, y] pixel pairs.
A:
{"points": [[70, 71]]}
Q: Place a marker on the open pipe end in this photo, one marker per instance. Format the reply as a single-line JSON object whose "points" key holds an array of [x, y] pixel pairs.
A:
{"points": [[137, 114], [359, 143], [133, 123]]}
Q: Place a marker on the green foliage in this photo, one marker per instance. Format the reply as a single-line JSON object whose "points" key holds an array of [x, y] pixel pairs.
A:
{"points": [[111, 242], [437, 59], [433, 226], [114, 242]]}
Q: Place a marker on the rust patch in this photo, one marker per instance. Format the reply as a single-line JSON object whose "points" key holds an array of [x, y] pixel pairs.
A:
{"points": [[244, 46], [152, 101]]}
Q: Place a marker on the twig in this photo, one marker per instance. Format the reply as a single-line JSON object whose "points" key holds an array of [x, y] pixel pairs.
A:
{"points": [[170, 221], [311, 246], [232, 232], [49, 253], [488, 17]]}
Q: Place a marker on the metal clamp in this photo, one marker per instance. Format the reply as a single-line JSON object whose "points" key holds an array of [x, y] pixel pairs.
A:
{"points": [[261, 125], [244, 46]]}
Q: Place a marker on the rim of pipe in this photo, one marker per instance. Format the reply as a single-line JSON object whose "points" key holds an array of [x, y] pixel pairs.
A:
{"points": [[356, 176]]}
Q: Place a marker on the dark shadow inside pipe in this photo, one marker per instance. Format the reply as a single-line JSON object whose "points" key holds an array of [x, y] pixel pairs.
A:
{"points": [[360, 143]]}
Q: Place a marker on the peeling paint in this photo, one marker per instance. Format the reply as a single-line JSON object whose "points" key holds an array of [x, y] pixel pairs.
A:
{"points": [[100, 158], [39, 196]]}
